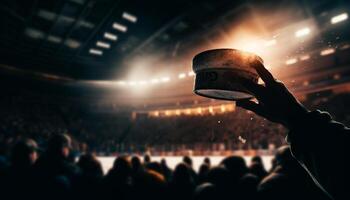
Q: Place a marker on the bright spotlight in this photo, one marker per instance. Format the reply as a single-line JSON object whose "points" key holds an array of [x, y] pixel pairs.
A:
{"points": [[165, 79], [291, 61], [110, 36], [270, 43], [182, 75], [129, 17], [121, 82], [327, 52], [131, 83], [302, 32], [154, 81], [120, 27], [305, 57], [339, 18], [142, 82], [103, 44], [95, 52]]}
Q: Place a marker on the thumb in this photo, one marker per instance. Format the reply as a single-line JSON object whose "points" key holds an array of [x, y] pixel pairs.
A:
{"points": [[252, 106]]}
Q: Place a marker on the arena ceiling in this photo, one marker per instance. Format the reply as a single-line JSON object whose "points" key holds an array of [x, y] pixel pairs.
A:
{"points": [[98, 39]]}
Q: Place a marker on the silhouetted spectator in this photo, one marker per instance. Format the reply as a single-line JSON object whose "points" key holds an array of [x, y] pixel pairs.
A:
{"points": [[136, 164], [91, 177], [56, 175], [203, 173], [182, 184], [237, 167], [206, 191], [146, 159], [207, 161], [149, 185], [188, 161], [258, 170], [167, 172], [155, 166], [288, 180], [117, 183], [248, 187], [220, 177]]}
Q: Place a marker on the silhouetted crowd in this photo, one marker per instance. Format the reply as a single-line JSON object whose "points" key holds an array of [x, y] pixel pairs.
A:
{"points": [[28, 171]]}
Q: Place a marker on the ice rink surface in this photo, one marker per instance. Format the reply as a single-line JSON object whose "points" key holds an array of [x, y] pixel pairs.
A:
{"points": [[107, 162]]}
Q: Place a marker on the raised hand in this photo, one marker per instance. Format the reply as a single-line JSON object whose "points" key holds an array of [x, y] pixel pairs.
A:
{"points": [[275, 102]]}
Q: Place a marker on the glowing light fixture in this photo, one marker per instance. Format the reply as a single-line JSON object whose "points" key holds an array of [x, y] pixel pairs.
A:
{"points": [[339, 18], [110, 36], [95, 52], [130, 17], [182, 75], [327, 52], [291, 61], [103, 44], [120, 27], [302, 32]]}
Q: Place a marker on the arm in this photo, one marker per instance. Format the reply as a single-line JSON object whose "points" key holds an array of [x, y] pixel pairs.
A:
{"points": [[316, 141]]}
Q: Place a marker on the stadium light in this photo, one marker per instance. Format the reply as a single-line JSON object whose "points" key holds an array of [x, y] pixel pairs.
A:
{"points": [[72, 43], [302, 32], [345, 46], [191, 73], [327, 52], [54, 39], [110, 36], [120, 27], [165, 79], [129, 17], [270, 43], [211, 110], [339, 18], [95, 52], [305, 57], [34, 33], [223, 108], [142, 82], [182, 75], [291, 61], [154, 81], [103, 44], [131, 83], [121, 82]]}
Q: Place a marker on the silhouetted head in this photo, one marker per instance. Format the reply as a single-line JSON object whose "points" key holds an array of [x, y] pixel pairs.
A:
{"points": [[24, 153], [155, 166], [236, 165], [182, 174], [205, 191], [257, 159], [59, 145], [219, 176], [150, 185], [122, 165], [163, 162], [203, 172], [146, 159], [188, 161], [248, 186], [90, 166], [207, 161], [258, 170], [136, 163]]}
